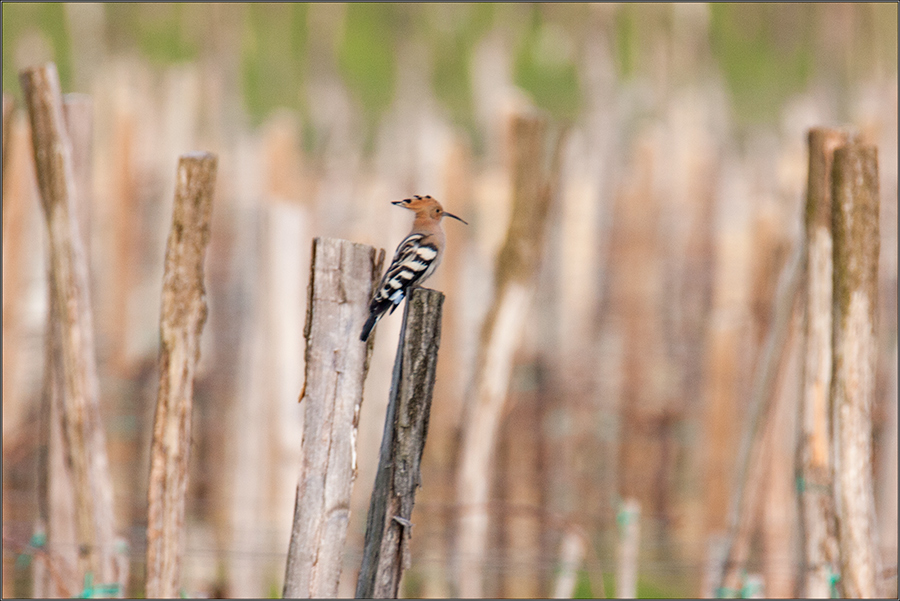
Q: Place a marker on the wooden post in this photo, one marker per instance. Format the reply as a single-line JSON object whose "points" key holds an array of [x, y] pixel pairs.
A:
{"points": [[55, 510], [814, 449], [515, 273], [7, 137], [182, 316], [571, 557], [86, 445], [78, 111], [341, 280], [629, 519], [744, 495], [855, 207], [388, 527]]}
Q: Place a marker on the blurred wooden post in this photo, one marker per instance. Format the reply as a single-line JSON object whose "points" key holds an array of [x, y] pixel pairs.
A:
{"points": [[388, 527], [855, 210], [745, 494], [341, 279], [183, 313], [55, 511], [515, 273], [629, 519], [84, 439], [814, 461], [571, 556], [7, 136], [78, 111]]}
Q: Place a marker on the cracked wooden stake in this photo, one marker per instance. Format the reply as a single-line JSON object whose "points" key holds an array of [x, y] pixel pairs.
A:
{"points": [[341, 279], [816, 501], [182, 316], [388, 527], [84, 440]]}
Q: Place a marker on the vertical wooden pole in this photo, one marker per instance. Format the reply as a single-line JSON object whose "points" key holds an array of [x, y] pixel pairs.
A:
{"points": [[341, 280], [744, 496], [516, 270], [814, 450], [69, 284], [855, 210], [55, 511], [7, 138], [520, 481], [629, 519], [183, 314], [571, 557], [78, 110], [388, 528]]}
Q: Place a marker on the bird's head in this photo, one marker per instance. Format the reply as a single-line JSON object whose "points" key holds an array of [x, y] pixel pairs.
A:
{"points": [[425, 206]]}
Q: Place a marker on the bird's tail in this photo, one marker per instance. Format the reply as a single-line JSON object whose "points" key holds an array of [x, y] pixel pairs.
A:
{"points": [[370, 323]]}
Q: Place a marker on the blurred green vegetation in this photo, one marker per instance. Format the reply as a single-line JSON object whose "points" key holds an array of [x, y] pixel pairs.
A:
{"points": [[367, 53], [162, 33], [765, 52], [22, 19], [546, 69], [274, 57]]}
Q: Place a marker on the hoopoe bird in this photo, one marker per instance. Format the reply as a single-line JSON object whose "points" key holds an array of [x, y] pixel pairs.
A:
{"points": [[417, 256]]}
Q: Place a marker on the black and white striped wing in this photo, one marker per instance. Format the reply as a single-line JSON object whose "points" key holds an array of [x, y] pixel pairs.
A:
{"points": [[414, 261]]}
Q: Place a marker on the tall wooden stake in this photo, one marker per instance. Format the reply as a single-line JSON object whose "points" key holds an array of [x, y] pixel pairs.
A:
{"points": [[814, 461], [341, 280], [84, 438], [515, 274], [182, 316], [856, 243], [388, 529]]}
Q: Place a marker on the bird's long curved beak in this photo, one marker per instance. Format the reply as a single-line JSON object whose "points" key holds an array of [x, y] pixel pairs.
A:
{"points": [[446, 214]]}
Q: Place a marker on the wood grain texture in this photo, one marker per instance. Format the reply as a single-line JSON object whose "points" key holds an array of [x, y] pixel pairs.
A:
{"points": [[183, 314], [388, 527], [816, 500], [855, 211], [341, 280], [84, 437]]}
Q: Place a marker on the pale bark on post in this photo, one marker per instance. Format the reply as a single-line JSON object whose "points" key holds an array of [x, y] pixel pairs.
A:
{"points": [[55, 511], [342, 277], [183, 312], [515, 274], [855, 210], [86, 445], [386, 554], [814, 452], [629, 519], [744, 496], [571, 557]]}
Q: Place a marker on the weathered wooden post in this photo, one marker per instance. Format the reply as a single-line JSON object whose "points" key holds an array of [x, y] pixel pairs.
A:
{"points": [[629, 519], [388, 529], [55, 512], [515, 273], [183, 313], [748, 470], [814, 452], [855, 206], [84, 441], [571, 557], [341, 280]]}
